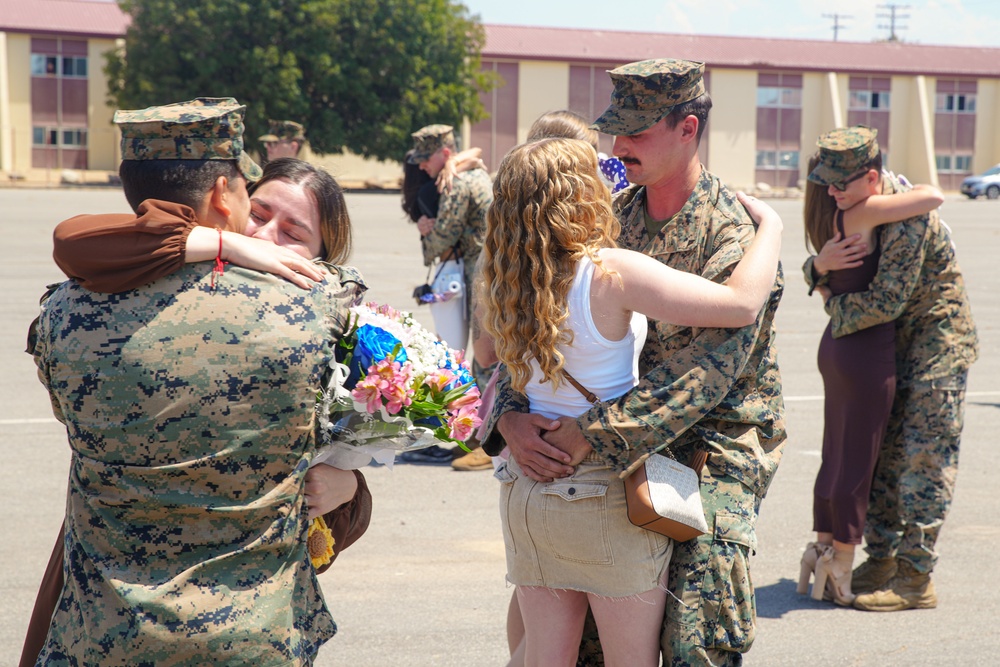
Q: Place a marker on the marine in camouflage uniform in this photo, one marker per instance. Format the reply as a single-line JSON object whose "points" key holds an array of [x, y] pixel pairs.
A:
{"points": [[461, 216], [920, 287], [189, 405], [712, 389], [285, 138]]}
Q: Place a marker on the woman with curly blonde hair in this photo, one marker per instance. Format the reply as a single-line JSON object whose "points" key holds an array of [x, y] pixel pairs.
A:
{"points": [[560, 299]]}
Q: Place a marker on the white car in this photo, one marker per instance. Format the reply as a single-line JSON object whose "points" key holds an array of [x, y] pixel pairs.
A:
{"points": [[986, 183]]}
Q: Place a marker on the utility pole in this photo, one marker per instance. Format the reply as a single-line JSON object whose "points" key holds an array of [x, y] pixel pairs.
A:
{"points": [[837, 25], [893, 18]]}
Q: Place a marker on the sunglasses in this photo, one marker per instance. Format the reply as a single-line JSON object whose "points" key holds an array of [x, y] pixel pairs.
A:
{"points": [[842, 185]]}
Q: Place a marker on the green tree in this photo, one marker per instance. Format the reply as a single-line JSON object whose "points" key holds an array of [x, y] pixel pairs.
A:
{"points": [[359, 74]]}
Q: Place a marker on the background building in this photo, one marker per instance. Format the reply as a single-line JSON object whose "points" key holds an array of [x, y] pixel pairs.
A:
{"points": [[937, 108], [53, 93]]}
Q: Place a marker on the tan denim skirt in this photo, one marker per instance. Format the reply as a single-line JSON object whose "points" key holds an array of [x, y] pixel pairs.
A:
{"points": [[574, 533]]}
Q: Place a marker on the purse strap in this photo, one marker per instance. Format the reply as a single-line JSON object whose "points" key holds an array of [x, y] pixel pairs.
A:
{"points": [[698, 459]]}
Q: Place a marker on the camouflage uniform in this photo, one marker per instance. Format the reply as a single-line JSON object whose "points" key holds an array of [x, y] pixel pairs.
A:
{"points": [[461, 216], [189, 407], [919, 286], [713, 389]]}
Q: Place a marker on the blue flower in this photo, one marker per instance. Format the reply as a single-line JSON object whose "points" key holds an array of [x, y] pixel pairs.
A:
{"points": [[373, 345]]}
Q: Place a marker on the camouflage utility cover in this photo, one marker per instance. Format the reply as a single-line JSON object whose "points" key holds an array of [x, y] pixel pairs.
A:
{"points": [[646, 91], [429, 140], [206, 128], [843, 153], [190, 415], [284, 129]]}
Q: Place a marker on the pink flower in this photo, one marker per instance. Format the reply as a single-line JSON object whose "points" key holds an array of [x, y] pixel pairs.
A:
{"points": [[469, 398], [439, 379], [463, 423], [396, 389], [369, 392]]}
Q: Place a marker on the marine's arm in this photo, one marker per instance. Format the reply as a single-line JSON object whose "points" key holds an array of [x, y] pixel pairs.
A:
{"points": [[899, 266], [450, 224], [685, 385]]}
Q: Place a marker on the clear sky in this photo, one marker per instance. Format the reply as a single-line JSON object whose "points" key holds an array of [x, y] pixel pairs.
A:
{"points": [[947, 22]]}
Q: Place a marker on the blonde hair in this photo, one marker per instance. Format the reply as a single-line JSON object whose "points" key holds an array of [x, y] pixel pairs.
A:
{"points": [[565, 124], [549, 210]]}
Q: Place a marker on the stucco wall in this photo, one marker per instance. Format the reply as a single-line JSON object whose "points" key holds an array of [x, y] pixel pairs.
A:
{"points": [[732, 127]]}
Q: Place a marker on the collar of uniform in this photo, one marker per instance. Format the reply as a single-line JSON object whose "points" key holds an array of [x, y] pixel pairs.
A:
{"points": [[682, 231]]}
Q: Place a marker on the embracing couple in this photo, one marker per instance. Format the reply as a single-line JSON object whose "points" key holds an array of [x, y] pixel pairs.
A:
{"points": [[560, 300]]}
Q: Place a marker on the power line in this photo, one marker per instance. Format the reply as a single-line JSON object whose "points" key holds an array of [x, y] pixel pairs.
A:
{"points": [[837, 25], [893, 17]]}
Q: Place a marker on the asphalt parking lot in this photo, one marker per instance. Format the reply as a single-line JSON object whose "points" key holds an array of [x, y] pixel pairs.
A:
{"points": [[425, 586]]}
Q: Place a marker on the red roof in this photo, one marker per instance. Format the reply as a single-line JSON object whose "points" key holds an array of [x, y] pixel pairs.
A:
{"points": [[92, 18], [619, 47]]}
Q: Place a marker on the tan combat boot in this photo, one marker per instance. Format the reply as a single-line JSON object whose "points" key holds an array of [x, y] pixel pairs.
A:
{"points": [[909, 589], [872, 575]]}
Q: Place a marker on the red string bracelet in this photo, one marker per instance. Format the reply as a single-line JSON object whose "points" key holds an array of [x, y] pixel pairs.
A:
{"points": [[219, 264]]}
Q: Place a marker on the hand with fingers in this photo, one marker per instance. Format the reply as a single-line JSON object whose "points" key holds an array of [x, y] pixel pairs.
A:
{"points": [[538, 459], [840, 253]]}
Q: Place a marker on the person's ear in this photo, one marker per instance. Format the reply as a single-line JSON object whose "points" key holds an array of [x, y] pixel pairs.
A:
{"points": [[219, 200], [689, 128]]}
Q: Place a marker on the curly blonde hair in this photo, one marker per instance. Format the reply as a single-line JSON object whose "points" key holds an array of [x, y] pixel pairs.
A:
{"points": [[550, 208]]}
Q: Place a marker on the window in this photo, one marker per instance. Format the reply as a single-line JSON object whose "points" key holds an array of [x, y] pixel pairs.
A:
{"points": [[779, 97], [788, 159], [957, 103], [869, 99], [49, 136], [953, 163], [74, 137], [777, 159], [766, 159], [75, 67], [44, 65]]}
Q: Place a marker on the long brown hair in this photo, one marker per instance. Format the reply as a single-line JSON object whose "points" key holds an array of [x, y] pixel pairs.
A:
{"points": [[819, 209], [550, 209]]}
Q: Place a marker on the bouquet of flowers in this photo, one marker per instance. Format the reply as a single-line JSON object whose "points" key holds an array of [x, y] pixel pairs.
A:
{"points": [[394, 387]]}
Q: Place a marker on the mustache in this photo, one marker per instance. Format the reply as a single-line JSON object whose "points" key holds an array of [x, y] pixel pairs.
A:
{"points": [[629, 160]]}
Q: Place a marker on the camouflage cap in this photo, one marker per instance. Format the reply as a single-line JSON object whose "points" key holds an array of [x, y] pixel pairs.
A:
{"points": [[646, 91], [205, 128], [284, 129], [843, 153], [429, 140]]}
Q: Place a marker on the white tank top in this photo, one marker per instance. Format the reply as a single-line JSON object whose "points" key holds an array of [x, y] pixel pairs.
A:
{"points": [[608, 368]]}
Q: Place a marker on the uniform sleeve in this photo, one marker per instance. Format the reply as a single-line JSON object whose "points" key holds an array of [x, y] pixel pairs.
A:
{"points": [[114, 253], [38, 347], [506, 400], [449, 224], [899, 267], [812, 279], [685, 385]]}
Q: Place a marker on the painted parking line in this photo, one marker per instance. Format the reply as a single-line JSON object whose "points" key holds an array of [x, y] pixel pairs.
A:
{"points": [[788, 399]]}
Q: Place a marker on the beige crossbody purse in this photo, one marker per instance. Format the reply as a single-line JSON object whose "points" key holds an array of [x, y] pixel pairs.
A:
{"points": [[661, 494]]}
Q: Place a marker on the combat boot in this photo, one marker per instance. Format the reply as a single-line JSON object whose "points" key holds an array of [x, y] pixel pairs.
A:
{"points": [[908, 589], [872, 575]]}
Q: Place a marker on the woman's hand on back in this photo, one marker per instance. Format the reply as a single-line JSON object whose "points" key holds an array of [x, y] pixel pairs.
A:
{"points": [[840, 253]]}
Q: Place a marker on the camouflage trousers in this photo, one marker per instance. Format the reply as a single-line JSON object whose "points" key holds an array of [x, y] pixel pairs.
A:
{"points": [[915, 475], [711, 612]]}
